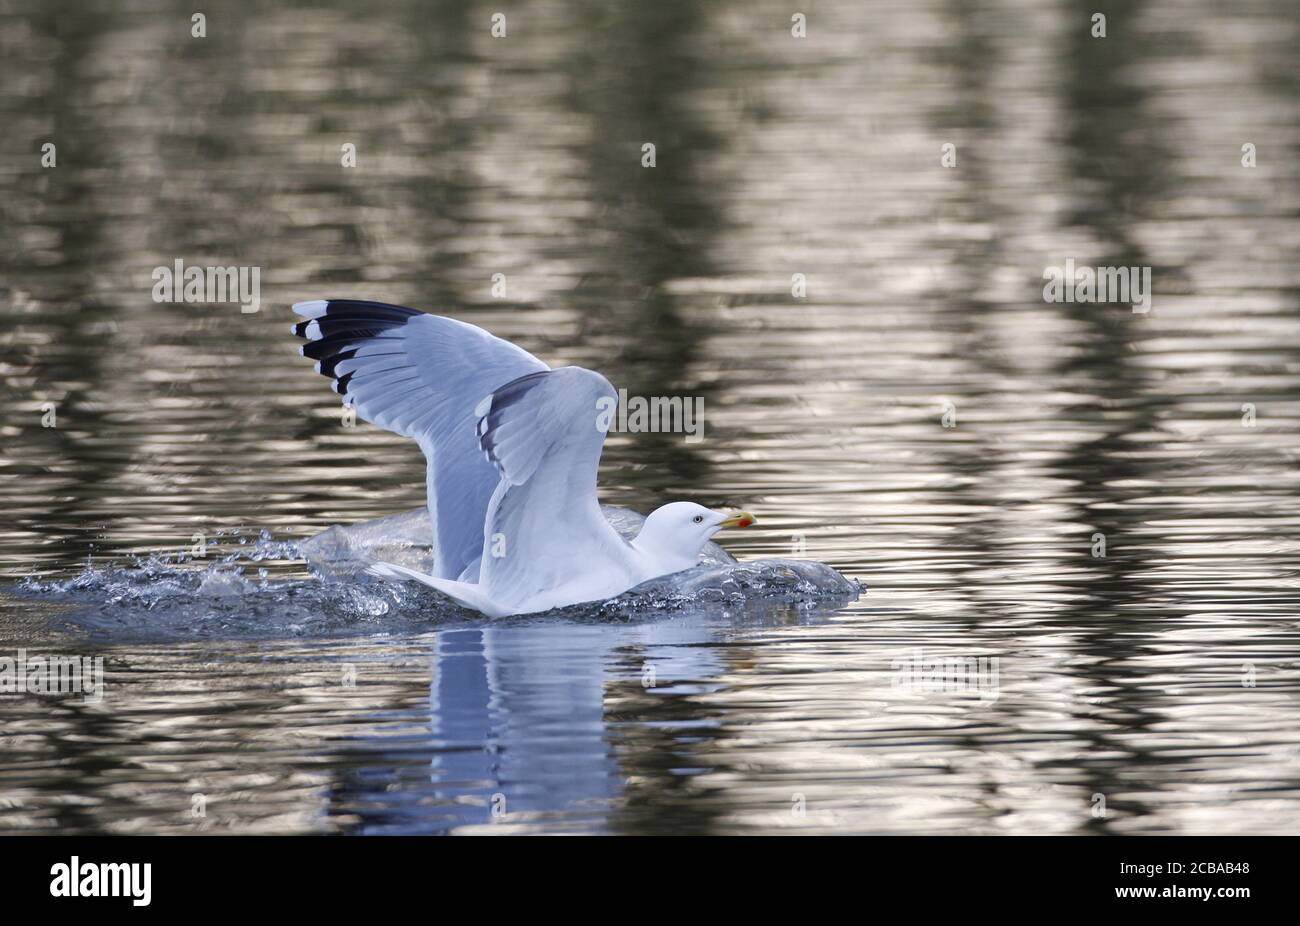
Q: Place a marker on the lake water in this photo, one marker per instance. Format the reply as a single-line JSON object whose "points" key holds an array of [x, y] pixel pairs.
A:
{"points": [[1091, 511]]}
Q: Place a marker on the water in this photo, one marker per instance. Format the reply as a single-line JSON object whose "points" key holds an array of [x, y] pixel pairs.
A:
{"points": [[1161, 679]]}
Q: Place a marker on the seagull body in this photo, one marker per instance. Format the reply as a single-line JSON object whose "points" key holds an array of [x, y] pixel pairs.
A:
{"points": [[512, 449]]}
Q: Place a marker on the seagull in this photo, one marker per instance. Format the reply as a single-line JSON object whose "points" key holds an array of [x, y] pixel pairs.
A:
{"points": [[512, 448]]}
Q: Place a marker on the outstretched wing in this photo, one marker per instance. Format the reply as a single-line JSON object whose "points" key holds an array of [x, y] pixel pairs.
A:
{"points": [[544, 433], [421, 375]]}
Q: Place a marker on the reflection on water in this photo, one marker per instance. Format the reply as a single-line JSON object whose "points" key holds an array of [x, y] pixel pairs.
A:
{"points": [[1164, 675]]}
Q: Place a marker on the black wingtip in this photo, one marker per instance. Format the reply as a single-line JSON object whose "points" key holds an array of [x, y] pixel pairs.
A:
{"points": [[328, 364], [337, 328]]}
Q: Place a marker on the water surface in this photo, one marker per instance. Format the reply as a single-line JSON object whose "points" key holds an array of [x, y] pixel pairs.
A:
{"points": [[1163, 677]]}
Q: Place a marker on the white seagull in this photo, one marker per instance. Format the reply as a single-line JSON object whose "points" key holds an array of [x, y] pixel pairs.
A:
{"points": [[512, 449]]}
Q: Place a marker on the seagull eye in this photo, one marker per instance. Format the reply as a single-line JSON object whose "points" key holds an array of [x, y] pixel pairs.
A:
{"points": [[698, 518]]}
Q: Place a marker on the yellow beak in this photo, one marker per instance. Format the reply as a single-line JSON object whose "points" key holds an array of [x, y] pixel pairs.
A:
{"points": [[740, 519]]}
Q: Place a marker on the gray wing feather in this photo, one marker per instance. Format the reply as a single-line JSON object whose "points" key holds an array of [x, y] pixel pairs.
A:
{"points": [[421, 375]]}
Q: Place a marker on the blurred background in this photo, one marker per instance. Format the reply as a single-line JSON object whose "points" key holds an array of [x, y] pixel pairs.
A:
{"points": [[1174, 433]]}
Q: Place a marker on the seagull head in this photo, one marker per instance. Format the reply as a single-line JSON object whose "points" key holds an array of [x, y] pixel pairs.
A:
{"points": [[675, 534]]}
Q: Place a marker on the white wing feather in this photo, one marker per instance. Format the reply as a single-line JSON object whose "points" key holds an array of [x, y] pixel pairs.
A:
{"points": [[544, 432]]}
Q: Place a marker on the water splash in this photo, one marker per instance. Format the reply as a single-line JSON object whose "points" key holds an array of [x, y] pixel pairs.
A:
{"points": [[167, 597]]}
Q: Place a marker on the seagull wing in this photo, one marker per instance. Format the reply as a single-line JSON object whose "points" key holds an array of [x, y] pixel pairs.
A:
{"points": [[544, 432], [421, 376]]}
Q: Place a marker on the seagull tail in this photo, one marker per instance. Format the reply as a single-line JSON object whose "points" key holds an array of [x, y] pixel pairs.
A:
{"points": [[463, 593]]}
